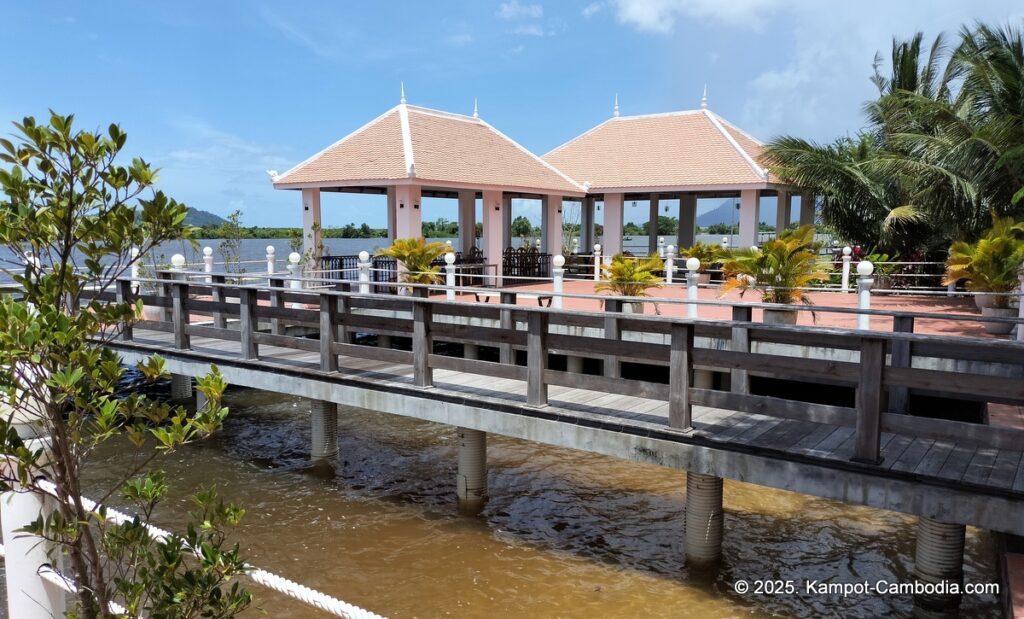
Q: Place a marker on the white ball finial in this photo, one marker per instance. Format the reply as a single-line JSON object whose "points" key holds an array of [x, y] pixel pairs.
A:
{"points": [[295, 257], [364, 256], [615, 110], [692, 265], [449, 258], [847, 250], [178, 261], [558, 261], [207, 251], [671, 249], [271, 250], [753, 248], [865, 268], [725, 240], [597, 248]]}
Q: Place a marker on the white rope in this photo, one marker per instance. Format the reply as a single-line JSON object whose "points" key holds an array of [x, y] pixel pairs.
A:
{"points": [[260, 576]]}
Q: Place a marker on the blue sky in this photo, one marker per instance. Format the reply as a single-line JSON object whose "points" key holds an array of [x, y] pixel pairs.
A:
{"points": [[215, 93]]}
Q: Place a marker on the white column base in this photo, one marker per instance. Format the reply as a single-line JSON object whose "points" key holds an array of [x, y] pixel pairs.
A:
{"points": [[939, 557], [324, 422], [703, 539], [471, 481], [181, 387]]}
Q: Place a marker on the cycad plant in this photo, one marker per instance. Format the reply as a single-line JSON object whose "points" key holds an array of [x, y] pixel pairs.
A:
{"points": [[630, 277], [707, 253], [780, 270], [992, 264], [416, 255]]}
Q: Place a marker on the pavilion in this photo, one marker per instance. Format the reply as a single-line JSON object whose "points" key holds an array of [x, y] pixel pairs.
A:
{"points": [[410, 152]]}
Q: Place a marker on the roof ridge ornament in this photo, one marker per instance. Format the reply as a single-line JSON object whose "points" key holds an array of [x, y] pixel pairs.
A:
{"points": [[402, 99], [615, 110], [476, 110], [704, 99]]}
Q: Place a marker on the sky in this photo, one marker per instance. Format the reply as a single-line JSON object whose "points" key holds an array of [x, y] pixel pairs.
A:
{"points": [[216, 93]]}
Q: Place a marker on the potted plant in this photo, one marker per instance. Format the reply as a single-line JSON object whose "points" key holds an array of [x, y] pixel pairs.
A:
{"points": [[707, 253], [990, 266], [631, 277], [780, 270], [416, 256], [884, 269]]}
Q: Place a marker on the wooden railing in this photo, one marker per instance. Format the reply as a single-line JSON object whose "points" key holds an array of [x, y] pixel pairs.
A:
{"points": [[879, 366]]}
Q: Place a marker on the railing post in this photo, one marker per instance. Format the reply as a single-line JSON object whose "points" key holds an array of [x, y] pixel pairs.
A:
{"points": [[506, 354], [536, 358], [612, 309], [179, 314], [557, 281], [869, 400], [740, 342], [864, 283], [247, 322], [124, 295], [670, 263], [449, 276], [276, 301], [136, 269], [680, 408], [661, 247], [692, 273], [1020, 306], [597, 262], [901, 355], [295, 271], [208, 262], [271, 261], [846, 268], [422, 344], [328, 332], [364, 272], [219, 297]]}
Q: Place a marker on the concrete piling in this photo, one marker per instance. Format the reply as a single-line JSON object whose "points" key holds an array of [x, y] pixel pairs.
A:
{"points": [[939, 558], [472, 474], [703, 539], [324, 423], [181, 387]]}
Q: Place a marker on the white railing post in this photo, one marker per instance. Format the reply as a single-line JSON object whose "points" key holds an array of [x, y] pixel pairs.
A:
{"points": [[449, 276], [364, 272], [136, 269], [1020, 305], [692, 268], [295, 271], [597, 262], [661, 247], [670, 263], [208, 262], [557, 280], [271, 260], [864, 283], [725, 242], [846, 268], [28, 595]]}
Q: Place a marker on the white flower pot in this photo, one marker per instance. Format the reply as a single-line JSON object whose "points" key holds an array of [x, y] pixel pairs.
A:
{"points": [[998, 328], [780, 317]]}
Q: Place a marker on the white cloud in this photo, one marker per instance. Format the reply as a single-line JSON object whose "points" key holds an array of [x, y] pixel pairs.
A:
{"points": [[518, 49], [592, 9], [661, 15], [532, 30], [515, 10], [295, 34], [459, 40]]}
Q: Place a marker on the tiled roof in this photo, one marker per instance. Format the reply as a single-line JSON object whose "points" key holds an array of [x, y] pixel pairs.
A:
{"points": [[679, 149], [434, 148]]}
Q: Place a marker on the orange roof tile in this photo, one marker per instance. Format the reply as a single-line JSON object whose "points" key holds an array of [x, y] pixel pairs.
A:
{"points": [[678, 149], [434, 148]]}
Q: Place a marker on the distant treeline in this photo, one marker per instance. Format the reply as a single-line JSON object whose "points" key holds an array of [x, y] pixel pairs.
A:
{"points": [[349, 231]]}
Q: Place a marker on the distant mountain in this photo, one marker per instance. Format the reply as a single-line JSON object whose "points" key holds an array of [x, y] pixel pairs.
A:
{"points": [[724, 213], [201, 219]]}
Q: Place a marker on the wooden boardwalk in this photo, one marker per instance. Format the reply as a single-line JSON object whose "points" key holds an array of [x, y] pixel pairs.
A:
{"points": [[867, 454]]}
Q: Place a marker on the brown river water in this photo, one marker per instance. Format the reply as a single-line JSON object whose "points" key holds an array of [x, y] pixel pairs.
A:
{"points": [[565, 533]]}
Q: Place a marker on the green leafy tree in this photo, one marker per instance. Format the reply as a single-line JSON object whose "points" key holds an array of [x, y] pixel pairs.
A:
{"points": [[72, 213], [522, 228], [230, 233]]}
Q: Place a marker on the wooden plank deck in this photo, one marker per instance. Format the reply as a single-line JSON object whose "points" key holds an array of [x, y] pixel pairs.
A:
{"points": [[944, 461]]}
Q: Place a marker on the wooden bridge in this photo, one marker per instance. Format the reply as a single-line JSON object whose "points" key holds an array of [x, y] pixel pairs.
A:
{"points": [[667, 391]]}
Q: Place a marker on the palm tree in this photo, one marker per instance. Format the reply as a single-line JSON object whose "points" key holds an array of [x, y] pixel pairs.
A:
{"points": [[630, 277], [992, 264], [781, 269], [416, 255]]}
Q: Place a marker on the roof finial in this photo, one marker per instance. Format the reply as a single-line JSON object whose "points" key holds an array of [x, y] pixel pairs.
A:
{"points": [[704, 99], [402, 100], [476, 110], [615, 110]]}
